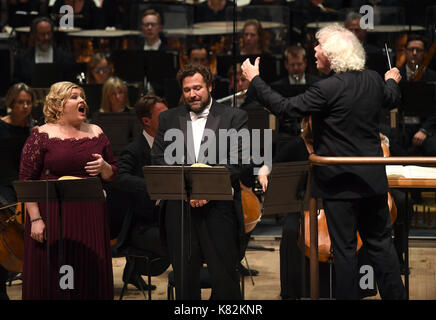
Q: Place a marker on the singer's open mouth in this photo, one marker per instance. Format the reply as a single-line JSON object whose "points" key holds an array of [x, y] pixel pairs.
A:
{"points": [[82, 109]]}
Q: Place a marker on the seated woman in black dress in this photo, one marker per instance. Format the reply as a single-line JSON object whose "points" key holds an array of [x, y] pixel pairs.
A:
{"points": [[14, 130]]}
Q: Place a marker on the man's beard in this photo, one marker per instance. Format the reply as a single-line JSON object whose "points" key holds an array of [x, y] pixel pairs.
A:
{"points": [[203, 105], [44, 46]]}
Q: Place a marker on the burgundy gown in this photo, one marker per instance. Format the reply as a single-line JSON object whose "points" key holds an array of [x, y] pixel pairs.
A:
{"points": [[85, 225]]}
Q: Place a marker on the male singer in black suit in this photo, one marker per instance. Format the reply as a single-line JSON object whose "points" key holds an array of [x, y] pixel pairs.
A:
{"points": [[215, 232], [43, 52], [344, 110]]}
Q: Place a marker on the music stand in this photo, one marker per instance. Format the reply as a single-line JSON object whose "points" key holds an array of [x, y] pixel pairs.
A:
{"points": [[87, 189], [286, 194], [186, 183], [118, 127], [417, 98], [45, 74]]}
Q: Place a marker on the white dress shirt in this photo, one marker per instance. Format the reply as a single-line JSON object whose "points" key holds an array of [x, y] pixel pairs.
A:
{"points": [[301, 81], [43, 56], [153, 47], [198, 122], [149, 138]]}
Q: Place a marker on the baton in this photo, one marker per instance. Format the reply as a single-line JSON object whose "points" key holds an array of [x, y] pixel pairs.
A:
{"points": [[387, 55]]}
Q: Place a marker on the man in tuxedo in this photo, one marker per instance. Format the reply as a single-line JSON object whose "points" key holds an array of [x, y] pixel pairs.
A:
{"points": [[344, 109], [151, 27], [143, 232], [215, 231], [44, 51], [295, 63]]}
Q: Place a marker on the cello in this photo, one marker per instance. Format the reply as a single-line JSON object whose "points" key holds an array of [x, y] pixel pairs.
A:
{"points": [[11, 238]]}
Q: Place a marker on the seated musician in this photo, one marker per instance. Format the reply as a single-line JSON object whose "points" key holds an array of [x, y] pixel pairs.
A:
{"points": [[295, 61], [115, 97], [44, 51], [16, 127], [151, 27], [144, 228], [420, 137], [99, 69], [198, 53], [211, 10], [253, 41]]}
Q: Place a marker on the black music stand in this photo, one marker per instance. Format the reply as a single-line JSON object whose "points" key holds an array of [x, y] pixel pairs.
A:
{"points": [[286, 194], [186, 183], [87, 189], [118, 127]]}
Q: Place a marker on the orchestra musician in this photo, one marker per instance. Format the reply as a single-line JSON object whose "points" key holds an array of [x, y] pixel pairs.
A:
{"points": [[344, 109]]}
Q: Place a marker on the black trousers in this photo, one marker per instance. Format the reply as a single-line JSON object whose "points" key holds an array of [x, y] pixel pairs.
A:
{"points": [[210, 236], [370, 216]]}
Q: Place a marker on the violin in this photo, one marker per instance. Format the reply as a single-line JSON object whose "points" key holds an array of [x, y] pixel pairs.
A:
{"points": [[251, 208], [11, 240]]}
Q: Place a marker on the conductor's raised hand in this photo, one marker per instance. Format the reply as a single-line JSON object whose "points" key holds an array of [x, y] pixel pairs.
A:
{"points": [[394, 74], [249, 70]]}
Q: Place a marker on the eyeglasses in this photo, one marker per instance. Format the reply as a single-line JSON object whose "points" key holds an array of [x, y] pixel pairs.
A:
{"points": [[150, 24], [23, 102], [418, 50], [103, 69]]}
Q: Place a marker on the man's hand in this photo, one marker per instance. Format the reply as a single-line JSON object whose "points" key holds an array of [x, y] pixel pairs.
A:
{"points": [[394, 74], [419, 138], [249, 71], [198, 203]]}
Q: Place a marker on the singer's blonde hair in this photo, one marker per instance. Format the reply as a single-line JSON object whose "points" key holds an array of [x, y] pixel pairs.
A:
{"points": [[56, 98]]}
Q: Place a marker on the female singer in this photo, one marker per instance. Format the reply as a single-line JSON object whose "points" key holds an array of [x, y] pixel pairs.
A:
{"points": [[67, 146]]}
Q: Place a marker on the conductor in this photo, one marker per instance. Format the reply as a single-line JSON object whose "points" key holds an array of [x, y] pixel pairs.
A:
{"points": [[344, 109]]}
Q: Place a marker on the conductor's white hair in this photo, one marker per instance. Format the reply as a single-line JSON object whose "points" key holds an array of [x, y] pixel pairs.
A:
{"points": [[342, 48]]}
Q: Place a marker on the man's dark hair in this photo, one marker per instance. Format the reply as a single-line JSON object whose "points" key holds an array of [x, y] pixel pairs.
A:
{"points": [[197, 46], [145, 104], [38, 20], [416, 37], [190, 69]]}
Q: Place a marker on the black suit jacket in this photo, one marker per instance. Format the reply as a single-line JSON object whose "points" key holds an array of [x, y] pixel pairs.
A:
{"points": [[220, 117], [344, 109], [283, 86], [25, 61], [131, 178]]}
